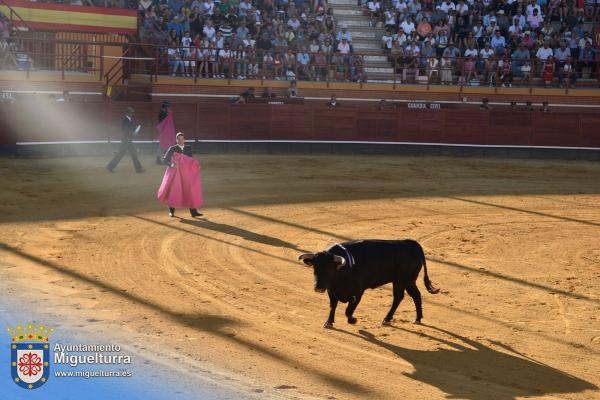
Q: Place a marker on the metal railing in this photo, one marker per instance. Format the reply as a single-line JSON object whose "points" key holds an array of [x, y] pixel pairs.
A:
{"points": [[494, 72], [209, 63]]}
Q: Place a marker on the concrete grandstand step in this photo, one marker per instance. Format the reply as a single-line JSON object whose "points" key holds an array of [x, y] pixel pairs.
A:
{"points": [[346, 12], [334, 3], [352, 22], [365, 34], [385, 64], [370, 70], [375, 59], [346, 7], [376, 43], [344, 18], [367, 47]]}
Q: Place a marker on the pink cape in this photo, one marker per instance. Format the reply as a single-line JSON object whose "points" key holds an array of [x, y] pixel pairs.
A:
{"points": [[166, 129], [181, 187]]}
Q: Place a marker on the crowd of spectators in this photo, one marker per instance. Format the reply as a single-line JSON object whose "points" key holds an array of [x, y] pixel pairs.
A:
{"points": [[279, 39], [488, 41]]}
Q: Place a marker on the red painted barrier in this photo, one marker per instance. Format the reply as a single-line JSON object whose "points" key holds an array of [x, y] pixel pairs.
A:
{"points": [[74, 121]]}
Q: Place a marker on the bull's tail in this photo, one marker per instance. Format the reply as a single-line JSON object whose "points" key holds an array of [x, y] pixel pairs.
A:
{"points": [[426, 279]]}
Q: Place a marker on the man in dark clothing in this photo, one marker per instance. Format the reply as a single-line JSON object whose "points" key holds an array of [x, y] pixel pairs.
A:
{"points": [[128, 129], [184, 149]]}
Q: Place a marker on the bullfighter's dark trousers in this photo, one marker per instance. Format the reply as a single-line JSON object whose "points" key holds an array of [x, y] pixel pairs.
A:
{"points": [[125, 147]]}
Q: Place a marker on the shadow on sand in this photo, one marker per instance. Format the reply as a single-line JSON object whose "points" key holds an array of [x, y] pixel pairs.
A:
{"points": [[475, 371]]}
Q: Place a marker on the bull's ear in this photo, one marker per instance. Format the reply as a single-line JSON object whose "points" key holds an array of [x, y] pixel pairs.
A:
{"points": [[306, 258], [339, 262]]}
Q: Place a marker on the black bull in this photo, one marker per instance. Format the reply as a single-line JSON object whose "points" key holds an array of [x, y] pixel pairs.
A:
{"points": [[346, 270]]}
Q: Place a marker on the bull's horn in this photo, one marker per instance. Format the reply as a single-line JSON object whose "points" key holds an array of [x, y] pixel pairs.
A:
{"points": [[306, 256], [341, 261]]}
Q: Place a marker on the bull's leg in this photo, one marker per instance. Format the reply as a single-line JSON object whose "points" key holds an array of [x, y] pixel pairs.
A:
{"points": [[398, 296], [332, 305], [352, 304], [413, 291]]}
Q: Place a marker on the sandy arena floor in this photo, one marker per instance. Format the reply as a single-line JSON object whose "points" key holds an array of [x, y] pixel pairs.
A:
{"points": [[513, 244]]}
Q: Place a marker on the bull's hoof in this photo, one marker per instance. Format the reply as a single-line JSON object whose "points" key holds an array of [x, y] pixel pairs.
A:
{"points": [[386, 323], [328, 325], [352, 320]]}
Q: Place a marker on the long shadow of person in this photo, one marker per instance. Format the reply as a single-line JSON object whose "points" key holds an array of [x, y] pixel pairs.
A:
{"points": [[472, 370], [240, 232]]}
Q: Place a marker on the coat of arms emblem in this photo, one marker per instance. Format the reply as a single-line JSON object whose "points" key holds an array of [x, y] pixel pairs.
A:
{"points": [[30, 355]]}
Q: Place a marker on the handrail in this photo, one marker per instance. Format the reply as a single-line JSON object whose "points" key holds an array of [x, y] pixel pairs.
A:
{"points": [[70, 59], [326, 69], [113, 72]]}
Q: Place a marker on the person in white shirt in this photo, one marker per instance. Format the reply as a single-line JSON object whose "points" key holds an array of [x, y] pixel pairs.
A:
{"points": [[544, 52], [401, 6], [433, 68], [471, 52], [224, 59], [208, 7], [462, 9], [447, 6], [209, 31], [390, 18], [401, 37], [585, 39], [534, 6], [386, 40], [484, 55], [344, 47], [407, 25]]}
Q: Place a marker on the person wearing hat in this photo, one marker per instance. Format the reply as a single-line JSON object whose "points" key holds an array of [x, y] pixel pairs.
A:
{"points": [[128, 129], [344, 34]]}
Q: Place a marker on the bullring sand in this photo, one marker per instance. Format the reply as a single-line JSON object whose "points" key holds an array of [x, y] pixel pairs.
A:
{"points": [[514, 246]]}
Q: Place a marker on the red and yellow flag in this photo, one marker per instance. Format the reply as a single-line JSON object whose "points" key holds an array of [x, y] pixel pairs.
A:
{"points": [[66, 17]]}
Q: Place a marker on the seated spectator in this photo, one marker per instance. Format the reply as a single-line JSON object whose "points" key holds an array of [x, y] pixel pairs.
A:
{"points": [[175, 61], [548, 69], [587, 59], [526, 71], [542, 54], [433, 69], [505, 70], [567, 71], [519, 57], [446, 70], [386, 40], [344, 47], [224, 62], [320, 66], [469, 70], [303, 60], [534, 21], [498, 43], [344, 34]]}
